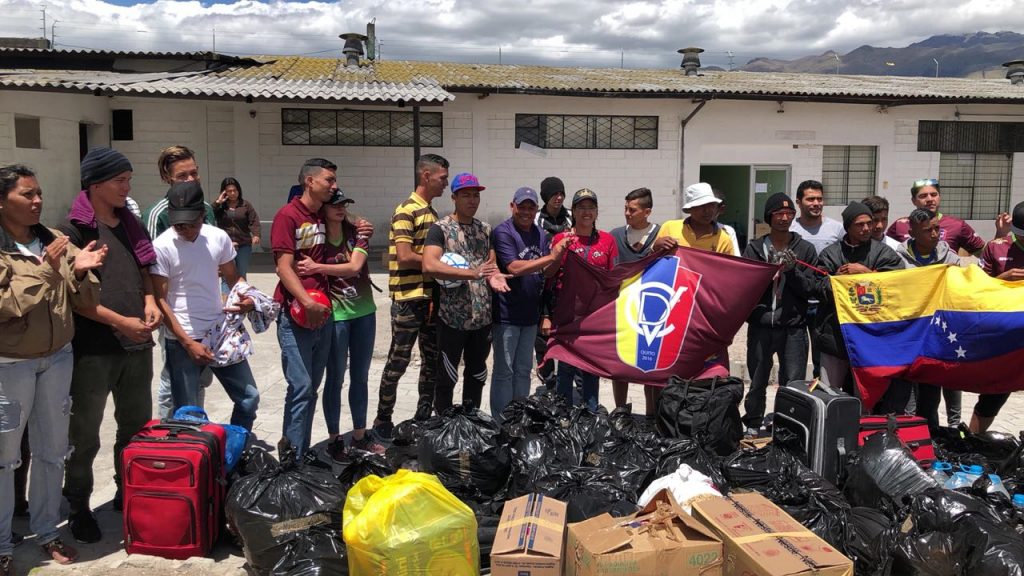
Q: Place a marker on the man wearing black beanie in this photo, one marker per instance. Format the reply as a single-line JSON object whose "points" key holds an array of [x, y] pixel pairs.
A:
{"points": [[554, 219], [778, 324], [856, 253]]}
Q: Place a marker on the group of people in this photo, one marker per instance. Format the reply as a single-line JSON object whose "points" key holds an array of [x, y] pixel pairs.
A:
{"points": [[79, 305]]}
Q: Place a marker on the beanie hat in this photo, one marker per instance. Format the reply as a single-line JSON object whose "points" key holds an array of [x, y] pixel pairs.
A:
{"points": [[1017, 223], [102, 164], [551, 186], [853, 210], [776, 202]]}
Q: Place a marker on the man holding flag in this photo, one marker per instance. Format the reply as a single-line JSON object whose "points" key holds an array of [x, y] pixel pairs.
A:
{"points": [[856, 253]]}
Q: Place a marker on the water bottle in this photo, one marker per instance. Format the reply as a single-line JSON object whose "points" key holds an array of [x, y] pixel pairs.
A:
{"points": [[1018, 501], [940, 471], [997, 486], [966, 476]]}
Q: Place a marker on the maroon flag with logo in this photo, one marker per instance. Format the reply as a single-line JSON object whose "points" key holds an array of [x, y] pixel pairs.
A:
{"points": [[661, 316]]}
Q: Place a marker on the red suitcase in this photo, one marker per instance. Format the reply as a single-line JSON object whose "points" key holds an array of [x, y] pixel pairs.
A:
{"points": [[173, 476], [912, 430]]}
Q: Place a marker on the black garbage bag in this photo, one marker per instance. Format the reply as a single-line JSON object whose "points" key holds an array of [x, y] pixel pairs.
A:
{"points": [[319, 552], [757, 469], [960, 531], [813, 502], [633, 458], [624, 421], [990, 449], [252, 461], [587, 492], [883, 473], [690, 452], [488, 514], [871, 537], [353, 466], [707, 410], [538, 454], [533, 414], [275, 508], [1013, 465], [802, 493], [587, 430], [464, 448]]}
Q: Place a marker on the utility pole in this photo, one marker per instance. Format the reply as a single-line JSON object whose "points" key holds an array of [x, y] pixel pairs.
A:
{"points": [[214, 38], [53, 34], [838, 61], [499, 54], [622, 58], [936, 60], [43, 10], [729, 52]]}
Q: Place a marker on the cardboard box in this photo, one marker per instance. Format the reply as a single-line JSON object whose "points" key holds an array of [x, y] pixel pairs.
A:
{"points": [[755, 443], [761, 539], [530, 537], [660, 540]]}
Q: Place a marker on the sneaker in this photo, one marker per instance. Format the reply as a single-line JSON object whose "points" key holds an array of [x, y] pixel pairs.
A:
{"points": [[84, 527], [751, 433], [366, 444], [16, 538], [423, 413], [336, 449], [384, 430], [6, 565], [60, 552]]}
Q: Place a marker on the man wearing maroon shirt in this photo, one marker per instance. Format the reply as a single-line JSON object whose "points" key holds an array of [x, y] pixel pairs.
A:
{"points": [[925, 194], [1003, 259]]}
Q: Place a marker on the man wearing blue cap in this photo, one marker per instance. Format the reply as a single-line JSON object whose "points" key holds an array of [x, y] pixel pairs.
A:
{"points": [[464, 313], [523, 253]]}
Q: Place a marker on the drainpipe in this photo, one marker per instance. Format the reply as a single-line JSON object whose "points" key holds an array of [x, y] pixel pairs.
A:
{"points": [[682, 149]]}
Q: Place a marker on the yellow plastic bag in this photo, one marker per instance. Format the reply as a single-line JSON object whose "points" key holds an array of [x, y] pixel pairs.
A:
{"points": [[409, 524]]}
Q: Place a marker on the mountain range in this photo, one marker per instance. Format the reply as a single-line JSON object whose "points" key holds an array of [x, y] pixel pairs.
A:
{"points": [[979, 54]]}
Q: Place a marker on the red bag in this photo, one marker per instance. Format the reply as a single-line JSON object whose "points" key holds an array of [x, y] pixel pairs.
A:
{"points": [[173, 476], [912, 430]]}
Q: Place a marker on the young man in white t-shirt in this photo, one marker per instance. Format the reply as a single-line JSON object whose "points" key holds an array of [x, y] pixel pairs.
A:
{"points": [[189, 256]]}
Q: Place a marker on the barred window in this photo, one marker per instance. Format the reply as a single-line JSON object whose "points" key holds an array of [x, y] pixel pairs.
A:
{"points": [[318, 127], [975, 186], [589, 132], [848, 173], [977, 137]]}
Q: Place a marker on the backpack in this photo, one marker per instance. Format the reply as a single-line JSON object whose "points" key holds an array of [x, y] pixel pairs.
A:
{"points": [[707, 410]]}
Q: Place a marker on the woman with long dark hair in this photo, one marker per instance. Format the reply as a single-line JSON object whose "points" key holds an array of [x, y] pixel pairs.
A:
{"points": [[236, 216], [42, 276]]}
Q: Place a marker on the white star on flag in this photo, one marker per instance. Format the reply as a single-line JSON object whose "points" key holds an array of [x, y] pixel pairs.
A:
{"points": [[952, 337], [960, 352]]}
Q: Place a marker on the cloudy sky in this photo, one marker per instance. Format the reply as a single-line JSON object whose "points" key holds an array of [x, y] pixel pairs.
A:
{"points": [[561, 32]]}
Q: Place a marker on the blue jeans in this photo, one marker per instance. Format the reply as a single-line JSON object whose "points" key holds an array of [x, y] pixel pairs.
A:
{"points": [[35, 393], [236, 379], [164, 400], [566, 376], [304, 355], [351, 347], [243, 255], [513, 365], [763, 344]]}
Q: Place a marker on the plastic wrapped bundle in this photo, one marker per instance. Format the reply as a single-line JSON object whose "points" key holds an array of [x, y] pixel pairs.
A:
{"points": [[533, 414], [883, 473], [539, 454], [409, 524], [690, 452], [633, 458], [870, 542]]}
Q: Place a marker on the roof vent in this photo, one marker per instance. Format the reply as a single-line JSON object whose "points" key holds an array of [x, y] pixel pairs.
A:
{"points": [[1015, 71], [691, 60], [353, 48]]}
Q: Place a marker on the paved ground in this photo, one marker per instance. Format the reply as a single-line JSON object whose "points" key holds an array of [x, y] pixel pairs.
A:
{"points": [[108, 556]]}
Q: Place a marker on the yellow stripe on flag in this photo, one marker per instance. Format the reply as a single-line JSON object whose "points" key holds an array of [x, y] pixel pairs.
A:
{"points": [[919, 292], [625, 336]]}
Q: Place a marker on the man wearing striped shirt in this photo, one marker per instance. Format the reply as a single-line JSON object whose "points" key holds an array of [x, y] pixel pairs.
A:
{"points": [[413, 295]]}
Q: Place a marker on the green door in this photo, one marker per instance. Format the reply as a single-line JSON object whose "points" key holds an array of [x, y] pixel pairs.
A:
{"points": [[767, 181]]}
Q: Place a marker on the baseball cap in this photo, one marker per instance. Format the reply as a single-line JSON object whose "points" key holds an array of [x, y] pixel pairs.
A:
{"points": [[523, 194], [583, 194], [466, 180], [185, 203], [339, 198]]}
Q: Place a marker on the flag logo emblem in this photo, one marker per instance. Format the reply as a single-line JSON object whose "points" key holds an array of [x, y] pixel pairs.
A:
{"points": [[653, 312]]}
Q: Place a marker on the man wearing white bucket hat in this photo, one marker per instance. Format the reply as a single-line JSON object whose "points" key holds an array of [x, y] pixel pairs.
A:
{"points": [[699, 230]]}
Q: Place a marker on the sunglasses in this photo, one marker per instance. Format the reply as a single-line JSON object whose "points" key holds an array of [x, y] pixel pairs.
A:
{"points": [[926, 182]]}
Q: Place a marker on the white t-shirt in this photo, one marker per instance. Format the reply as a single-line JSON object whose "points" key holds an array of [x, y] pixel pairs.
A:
{"points": [[193, 286], [822, 236], [732, 236]]}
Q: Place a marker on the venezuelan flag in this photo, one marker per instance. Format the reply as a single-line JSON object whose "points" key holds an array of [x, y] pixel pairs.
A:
{"points": [[944, 325]]}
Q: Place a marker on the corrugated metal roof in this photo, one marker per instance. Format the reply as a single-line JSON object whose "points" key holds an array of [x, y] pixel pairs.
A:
{"points": [[89, 52], [641, 82], [213, 85]]}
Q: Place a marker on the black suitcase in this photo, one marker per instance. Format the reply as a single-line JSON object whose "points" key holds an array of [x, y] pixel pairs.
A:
{"points": [[825, 422]]}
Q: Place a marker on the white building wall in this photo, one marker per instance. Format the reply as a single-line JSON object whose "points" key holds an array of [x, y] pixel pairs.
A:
{"points": [[56, 163]]}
